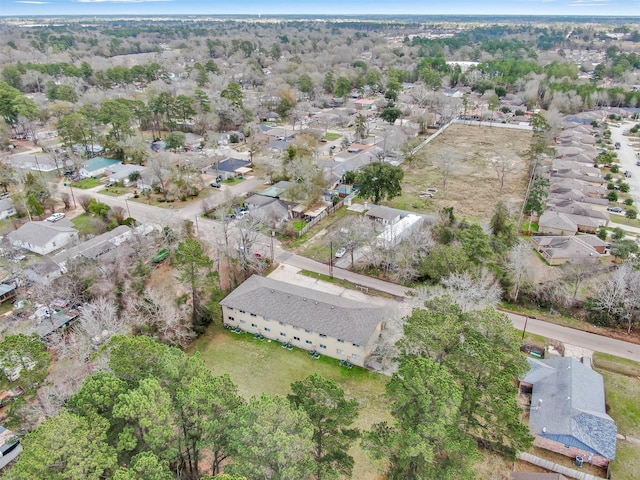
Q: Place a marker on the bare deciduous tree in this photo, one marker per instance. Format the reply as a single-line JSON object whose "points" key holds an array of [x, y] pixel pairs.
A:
{"points": [[447, 161], [518, 267], [473, 292]]}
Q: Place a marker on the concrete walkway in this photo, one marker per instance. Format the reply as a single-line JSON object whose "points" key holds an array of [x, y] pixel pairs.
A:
{"points": [[554, 467]]}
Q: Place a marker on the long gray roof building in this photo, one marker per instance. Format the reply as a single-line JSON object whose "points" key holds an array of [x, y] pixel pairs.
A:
{"points": [[309, 309], [568, 405]]}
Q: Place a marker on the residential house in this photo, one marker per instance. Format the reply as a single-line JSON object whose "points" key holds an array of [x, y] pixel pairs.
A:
{"points": [[121, 172], [44, 271], [7, 208], [7, 292], [97, 166], [557, 223], [231, 168], [271, 210], [568, 411], [10, 446], [398, 231], [43, 237], [577, 249], [364, 104], [306, 318], [385, 215]]}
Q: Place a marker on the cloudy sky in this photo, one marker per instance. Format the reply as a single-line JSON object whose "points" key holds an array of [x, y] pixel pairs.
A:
{"points": [[435, 7]]}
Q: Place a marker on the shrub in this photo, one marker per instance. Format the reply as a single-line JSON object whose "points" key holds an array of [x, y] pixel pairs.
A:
{"points": [[632, 213], [628, 201], [613, 196]]}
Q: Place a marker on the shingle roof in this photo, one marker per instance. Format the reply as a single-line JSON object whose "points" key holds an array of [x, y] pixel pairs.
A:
{"points": [[306, 308], [38, 233], [386, 213], [568, 405]]}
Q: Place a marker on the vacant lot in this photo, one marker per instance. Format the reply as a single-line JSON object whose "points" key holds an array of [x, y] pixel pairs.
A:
{"points": [[478, 157]]}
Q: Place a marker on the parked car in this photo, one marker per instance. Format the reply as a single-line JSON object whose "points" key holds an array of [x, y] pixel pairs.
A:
{"points": [[55, 217], [638, 163], [215, 185], [340, 252], [615, 209]]}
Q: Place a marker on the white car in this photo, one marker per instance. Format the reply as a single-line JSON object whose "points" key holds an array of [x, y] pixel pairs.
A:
{"points": [[55, 217], [340, 252]]}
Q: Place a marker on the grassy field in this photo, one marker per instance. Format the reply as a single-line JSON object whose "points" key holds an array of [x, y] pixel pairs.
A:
{"points": [[84, 224], [622, 388], [265, 367], [86, 183], [331, 136], [473, 185]]}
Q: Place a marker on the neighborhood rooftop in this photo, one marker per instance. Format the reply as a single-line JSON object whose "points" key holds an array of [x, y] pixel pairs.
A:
{"points": [[306, 308], [568, 405]]}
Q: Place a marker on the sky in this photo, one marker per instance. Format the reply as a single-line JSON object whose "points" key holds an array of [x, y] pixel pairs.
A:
{"points": [[325, 7]]}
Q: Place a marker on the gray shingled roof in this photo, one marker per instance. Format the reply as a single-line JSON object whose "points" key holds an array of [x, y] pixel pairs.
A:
{"points": [[306, 308], [38, 233], [386, 213], [568, 405]]}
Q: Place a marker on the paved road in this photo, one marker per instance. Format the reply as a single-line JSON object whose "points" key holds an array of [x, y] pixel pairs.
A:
{"points": [[298, 261], [590, 341], [209, 229], [628, 159]]}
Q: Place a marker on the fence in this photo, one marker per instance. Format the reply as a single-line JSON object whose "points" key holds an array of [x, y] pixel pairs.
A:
{"points": [[329, 211]]}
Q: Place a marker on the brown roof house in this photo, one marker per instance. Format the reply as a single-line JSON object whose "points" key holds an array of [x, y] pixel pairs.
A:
{"points": [[557, 223], [567, 413], [577, 249]]}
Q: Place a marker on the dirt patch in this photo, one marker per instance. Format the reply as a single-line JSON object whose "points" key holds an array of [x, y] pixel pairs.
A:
{"points": [[473, 186]]}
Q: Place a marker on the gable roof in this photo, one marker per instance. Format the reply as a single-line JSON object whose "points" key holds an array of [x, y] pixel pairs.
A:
{"points": [[568, 405], [39, 233], [565, 247], [312, 310], [385, 213], [232, 164]]}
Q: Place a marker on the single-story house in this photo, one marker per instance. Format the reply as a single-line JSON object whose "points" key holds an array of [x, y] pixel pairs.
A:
{"points": [[97, 166], [120, 173], [42, 237], [364, 103], [7, 208], [580, 209], [568, 411], [7, 292], [231, 167], [557, 223], [575, 249], [10, 446], [385, 215], [309, 319], [397, 232], [94, 247], [44, 271], [269, 209]]}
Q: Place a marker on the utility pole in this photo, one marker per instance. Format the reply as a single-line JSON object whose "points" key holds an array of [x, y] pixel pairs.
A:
{"points": [[331, 260]]}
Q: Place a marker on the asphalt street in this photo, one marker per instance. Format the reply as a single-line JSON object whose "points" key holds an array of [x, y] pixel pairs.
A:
{"points": [[209, 230]]}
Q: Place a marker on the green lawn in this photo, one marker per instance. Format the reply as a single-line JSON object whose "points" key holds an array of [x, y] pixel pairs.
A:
{"points": [[84, 224], [86, 183], [114, 191], [265, 367], [622, 388], [331, 136]]}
